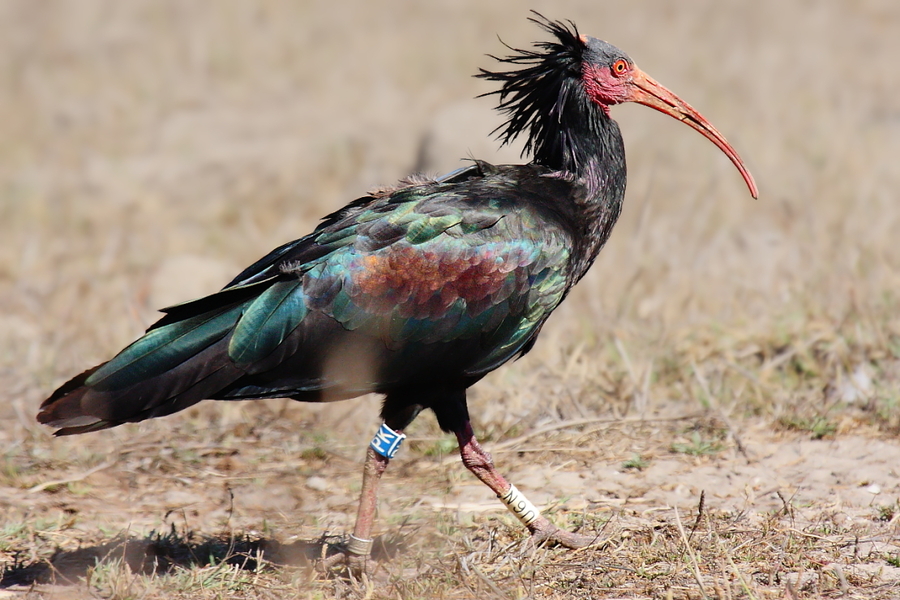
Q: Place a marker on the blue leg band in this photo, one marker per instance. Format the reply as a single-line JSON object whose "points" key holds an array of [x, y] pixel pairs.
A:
{"points": [[387, 441]]}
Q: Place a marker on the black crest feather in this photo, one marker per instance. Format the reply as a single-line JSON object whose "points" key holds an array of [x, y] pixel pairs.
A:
{"points": [[536, 95]]}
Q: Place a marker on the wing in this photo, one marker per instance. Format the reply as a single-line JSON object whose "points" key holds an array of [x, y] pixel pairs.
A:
{"points": [[299, 250], [444, 280], [446, 266]]}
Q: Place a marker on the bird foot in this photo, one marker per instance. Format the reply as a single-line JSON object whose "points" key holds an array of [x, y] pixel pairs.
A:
{"points": [[356, 566], [546, 533], [351, 555]]}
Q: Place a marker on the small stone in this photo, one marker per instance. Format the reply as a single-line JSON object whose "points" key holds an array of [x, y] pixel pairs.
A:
{"points": [[317, 483], [806, 579], [874, 489]]}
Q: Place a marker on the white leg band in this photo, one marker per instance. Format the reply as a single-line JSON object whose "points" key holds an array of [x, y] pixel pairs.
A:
{"points": [[519, 505], [359, 546]]}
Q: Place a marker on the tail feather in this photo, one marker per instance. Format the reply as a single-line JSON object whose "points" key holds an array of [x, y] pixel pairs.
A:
{"points": [[167, 370], [162, 349], [63, 407], [98, 426], [197, 378], [68, 387]]}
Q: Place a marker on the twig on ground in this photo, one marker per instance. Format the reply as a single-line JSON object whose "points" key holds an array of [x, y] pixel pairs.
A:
{"points": [[48, 484], [839, 572], [579, 422], [700, 507]]}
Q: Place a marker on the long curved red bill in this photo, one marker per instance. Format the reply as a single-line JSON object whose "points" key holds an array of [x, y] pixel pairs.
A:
{"points": [[646, 91]]}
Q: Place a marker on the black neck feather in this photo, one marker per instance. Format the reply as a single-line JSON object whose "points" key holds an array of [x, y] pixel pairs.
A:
{"points": [[567, 132], [545, 98]]}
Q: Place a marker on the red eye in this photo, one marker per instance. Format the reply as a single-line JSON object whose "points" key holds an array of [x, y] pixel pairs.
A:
{"points": [[620, 67]]}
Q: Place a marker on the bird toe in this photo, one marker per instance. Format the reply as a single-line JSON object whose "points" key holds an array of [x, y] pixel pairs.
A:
{"points": [[342, 562], [546, 533]]}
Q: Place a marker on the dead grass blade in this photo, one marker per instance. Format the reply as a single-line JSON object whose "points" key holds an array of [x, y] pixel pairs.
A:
{"points": [[57, 482], [695, 566]]}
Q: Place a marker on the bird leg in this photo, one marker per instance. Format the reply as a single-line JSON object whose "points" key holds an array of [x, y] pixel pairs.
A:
{"points": [[360, 545], [480, 463]]}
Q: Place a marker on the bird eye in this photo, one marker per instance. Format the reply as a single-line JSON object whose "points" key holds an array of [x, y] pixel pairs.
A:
{"points": [[620, 67]]}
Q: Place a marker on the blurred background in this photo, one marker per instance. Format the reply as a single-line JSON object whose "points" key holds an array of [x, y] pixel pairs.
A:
{"points": [[151, 149]]}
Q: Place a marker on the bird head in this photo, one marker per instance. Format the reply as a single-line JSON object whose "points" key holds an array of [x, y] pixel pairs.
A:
{"points": [[568, 85], [611, 77]]}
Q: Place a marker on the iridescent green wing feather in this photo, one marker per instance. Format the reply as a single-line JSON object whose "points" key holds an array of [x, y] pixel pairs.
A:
{"points": [[421, 267]]}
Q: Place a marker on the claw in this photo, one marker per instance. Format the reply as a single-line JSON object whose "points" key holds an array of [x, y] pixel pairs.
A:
{"points": [[545, 532], [357, 565]]}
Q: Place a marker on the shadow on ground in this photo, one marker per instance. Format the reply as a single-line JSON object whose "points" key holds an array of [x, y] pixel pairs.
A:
{"points": [[159, 554]]}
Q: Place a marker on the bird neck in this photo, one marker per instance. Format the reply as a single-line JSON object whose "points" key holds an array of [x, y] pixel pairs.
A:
{"points": [[585, 146]]}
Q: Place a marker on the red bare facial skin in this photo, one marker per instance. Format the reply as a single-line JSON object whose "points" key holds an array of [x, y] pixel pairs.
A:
{"points": [[604, 88], [624, 82]]}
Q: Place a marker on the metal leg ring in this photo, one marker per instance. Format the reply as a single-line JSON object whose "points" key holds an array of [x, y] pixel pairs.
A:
{"points": [[359, 546]]}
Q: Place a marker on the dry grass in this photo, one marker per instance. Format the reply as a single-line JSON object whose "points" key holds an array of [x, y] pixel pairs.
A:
{"points": [[748, 350]]}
